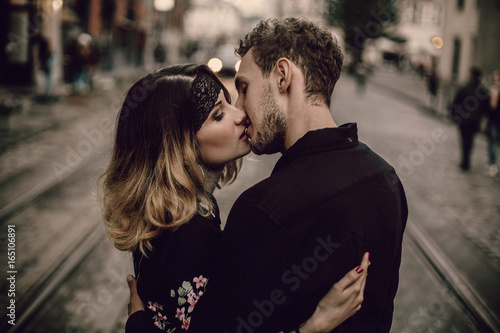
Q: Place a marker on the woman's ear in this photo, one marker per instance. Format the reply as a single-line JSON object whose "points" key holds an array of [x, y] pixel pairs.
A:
{"points": [[284, 74]]}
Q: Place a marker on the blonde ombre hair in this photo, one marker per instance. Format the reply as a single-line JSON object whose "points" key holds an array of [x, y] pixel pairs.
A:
{"points": [[154, 181]]}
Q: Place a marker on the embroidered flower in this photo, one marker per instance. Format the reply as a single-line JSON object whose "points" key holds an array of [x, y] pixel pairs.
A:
{"points": [[180, 314], [191, 297], [153, 306], [186, 323], [200, 281], [191, 308]]}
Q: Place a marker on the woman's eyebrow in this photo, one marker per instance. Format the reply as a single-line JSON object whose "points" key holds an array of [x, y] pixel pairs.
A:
{"points": [[217, 103]]}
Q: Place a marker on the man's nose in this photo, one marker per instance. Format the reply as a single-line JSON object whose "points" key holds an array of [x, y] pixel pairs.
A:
{"points": [[240, 116], [239, 103]]}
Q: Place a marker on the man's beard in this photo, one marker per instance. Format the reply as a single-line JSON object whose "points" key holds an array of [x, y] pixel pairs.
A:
{"points": [[272, 132]]}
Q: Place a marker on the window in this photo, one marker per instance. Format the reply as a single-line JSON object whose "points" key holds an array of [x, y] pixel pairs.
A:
{"points": [[436, 18], [416, 13], [457, 45]]}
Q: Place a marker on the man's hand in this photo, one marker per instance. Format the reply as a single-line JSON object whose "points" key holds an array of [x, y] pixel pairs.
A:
{"points": [[136, 303]]}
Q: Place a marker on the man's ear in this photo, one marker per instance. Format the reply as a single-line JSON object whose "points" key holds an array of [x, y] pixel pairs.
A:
{"points": [[284, 74]]}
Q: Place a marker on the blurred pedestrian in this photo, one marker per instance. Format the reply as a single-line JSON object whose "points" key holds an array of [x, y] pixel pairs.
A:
{"points": [[174, 145], [361, 73], [493, 125], [86, 58], [46, 63], [470, 104], [433, 85]]}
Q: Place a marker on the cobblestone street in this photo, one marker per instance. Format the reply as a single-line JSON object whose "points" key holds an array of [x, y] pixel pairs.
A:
{"points": [[458, 212]]}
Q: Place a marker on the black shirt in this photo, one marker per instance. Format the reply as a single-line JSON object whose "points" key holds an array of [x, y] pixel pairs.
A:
{"points": [[290, 237]]}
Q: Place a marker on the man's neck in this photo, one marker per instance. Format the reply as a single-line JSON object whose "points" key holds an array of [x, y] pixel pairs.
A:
{"points": [[310, 118]]}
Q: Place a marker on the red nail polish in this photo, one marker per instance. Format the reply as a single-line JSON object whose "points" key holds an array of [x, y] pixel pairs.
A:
{"points": [[359, 270]]}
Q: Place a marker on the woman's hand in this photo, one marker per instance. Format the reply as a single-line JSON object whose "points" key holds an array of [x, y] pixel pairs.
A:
{"points": [[341, 302], [136, 303]]}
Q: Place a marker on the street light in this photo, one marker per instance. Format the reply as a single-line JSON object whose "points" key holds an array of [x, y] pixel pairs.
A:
{"points": [[437, 41], [164, 5]]}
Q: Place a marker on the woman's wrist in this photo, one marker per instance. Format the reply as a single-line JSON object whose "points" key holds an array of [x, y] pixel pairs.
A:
{"points": [[308, 326]]}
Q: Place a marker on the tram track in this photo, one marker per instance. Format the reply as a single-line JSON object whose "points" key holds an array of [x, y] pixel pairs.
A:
{"points": [[416, 238], [48, 283], [419, 241], [42, 189], [33, 298]]}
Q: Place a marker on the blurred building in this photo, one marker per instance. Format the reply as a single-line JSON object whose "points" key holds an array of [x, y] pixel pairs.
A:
{"points": [[460, 39], [22, 22], [118, 30], [471, 36], [208, 25], [311, 9], [421, 25], [457, 34]]}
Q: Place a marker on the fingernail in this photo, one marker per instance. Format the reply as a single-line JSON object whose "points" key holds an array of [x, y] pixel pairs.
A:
{"points": [[368, 255], [359, 270]]}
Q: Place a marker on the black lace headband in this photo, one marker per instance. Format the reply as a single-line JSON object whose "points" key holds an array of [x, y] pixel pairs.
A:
{"points": [[205, 91]]}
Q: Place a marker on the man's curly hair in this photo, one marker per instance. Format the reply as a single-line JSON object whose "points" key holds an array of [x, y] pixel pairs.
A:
{"points": [[311, 47]]}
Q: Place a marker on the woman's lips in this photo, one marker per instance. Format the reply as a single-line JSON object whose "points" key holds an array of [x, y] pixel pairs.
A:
{"points": [[244, 136]]}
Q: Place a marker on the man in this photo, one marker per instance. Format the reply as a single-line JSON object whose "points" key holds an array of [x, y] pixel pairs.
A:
{"points": [[328, 200], [469, 105]]}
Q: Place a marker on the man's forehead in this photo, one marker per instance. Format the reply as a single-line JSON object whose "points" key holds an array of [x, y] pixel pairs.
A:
{"points": [[248, 69]]}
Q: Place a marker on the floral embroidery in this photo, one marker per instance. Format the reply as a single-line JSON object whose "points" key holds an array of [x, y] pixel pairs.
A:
{"points": [[200, 281], [180, 314], [186, 323], [188, 295], [160, 320]]}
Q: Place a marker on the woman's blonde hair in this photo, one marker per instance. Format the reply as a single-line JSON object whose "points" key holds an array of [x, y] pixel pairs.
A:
{"points": [[154, 181]]}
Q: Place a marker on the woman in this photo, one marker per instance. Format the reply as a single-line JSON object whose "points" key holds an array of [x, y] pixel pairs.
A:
{"points": [[177, 139]]}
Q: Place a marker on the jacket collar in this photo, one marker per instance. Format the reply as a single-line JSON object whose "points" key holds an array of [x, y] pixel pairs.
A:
{"points": [[325, 139]]}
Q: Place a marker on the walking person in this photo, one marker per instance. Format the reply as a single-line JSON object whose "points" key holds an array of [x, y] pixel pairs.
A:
{"points": [[433, 85], [469, 106], [493, 125], [177, 139], [46, 63]]}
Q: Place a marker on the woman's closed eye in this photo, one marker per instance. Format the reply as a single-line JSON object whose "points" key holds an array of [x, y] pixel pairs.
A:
{"points": [[218, 115]]}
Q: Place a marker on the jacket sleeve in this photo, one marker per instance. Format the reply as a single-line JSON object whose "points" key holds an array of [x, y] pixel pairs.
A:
{"points": [[139, 322], [176, 278]]}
